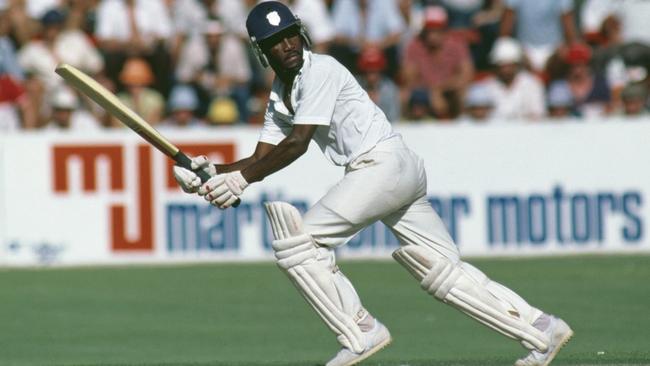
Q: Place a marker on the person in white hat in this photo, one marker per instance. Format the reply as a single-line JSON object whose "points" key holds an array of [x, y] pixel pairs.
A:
{"points": [[66, 115], [518, 94]]}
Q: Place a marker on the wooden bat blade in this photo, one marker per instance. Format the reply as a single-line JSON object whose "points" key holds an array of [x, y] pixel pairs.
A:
{"points": [[107, 100]]}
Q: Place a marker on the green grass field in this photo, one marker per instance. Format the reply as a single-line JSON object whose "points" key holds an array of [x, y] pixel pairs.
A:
{"points": [[249, 314]]}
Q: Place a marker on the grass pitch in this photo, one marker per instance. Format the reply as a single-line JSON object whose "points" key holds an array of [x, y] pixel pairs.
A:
{"points": [[249, 314]]}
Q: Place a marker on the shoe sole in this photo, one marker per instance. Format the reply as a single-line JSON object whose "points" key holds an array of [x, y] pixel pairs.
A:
{"points": [[563, 341], [371, 352]]}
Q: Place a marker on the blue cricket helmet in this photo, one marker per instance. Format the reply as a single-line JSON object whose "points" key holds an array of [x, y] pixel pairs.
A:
{"points": [[268, 18]]}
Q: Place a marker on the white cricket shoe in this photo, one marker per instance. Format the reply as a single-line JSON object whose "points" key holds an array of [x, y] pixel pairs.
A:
{"points": [[376, 339], [559, 334]]}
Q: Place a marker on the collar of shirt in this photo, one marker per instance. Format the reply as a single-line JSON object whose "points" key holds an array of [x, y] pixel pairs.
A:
{"points": [[277, 90]]}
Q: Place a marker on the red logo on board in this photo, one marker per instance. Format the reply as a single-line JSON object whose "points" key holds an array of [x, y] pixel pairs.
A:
{"points": [[89, 155]]}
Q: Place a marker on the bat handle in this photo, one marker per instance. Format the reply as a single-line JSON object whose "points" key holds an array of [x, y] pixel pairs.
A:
{"points": [[185, 162]]}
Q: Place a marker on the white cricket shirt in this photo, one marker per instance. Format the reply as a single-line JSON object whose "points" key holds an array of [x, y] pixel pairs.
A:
{"points": [[325, 93]]}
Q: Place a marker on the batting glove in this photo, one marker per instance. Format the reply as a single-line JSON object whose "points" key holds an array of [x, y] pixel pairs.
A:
{"points": [[187, 179], [224, 189]]}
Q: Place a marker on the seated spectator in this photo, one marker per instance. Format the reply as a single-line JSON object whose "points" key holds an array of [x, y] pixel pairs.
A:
{"points": [[189, 17], [217, 64], [437, 65], [517, 93], [381, 89], [479, 103], [136, 76], [222, 111], [72, 46], [635, 100], [541, 27], [559, 100], [65, 113], [419, 106], [362, 23], [183, 103], [126, 28], [591, 91]]}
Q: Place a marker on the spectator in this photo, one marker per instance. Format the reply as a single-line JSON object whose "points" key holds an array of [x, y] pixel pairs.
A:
{"points": [[635, 97], [65, 113], [591, 92], [380, 88], [479, 103], [127, 28], [316, 19], [136, 76], [419, 106], [541, 27], [362, 23], [437, 65], [183, 103], [559, 100], [518, 94], [190, 16], [222, 111], [72, 46], [218, 65]]}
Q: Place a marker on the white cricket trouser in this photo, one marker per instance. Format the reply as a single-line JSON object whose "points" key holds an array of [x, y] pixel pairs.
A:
{"points": [[388, 184]]}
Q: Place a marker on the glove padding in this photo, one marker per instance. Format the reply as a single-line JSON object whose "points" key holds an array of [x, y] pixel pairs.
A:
{"points": [[187, 179], [223, 190]]}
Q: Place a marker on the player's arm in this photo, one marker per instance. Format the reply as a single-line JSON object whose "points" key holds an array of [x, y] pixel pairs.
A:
{"points": [[261, 150], [280, 156]]}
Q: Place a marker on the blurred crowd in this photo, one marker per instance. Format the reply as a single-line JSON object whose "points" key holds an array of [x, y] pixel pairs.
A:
{"points": [[188, 62]]}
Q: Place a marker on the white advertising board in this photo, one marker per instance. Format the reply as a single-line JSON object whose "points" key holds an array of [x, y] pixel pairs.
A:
{"points": [[502, 190]]}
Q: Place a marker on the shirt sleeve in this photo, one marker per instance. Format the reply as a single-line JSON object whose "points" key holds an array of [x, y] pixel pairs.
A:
{"points": [[317, 96], [271, 132]]}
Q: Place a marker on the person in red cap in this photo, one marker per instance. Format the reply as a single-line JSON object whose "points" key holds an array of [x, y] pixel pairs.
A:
{"points": [[382, 90], [591, 91], [438, 65]]}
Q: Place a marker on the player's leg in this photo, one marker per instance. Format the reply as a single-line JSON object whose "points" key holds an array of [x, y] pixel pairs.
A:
{"points": [[430, 255], [313, 271], [375, 184]]}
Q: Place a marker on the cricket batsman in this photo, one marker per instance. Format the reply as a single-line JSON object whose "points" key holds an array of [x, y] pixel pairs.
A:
{"points": [[314, 97]]}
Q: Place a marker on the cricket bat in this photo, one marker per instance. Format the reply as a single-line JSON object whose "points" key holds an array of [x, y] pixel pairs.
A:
{"points": [[109, 101]]}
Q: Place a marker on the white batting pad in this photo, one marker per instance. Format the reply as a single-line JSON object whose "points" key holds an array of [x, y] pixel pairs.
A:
{"points": [[313, 271], [467, 289]]}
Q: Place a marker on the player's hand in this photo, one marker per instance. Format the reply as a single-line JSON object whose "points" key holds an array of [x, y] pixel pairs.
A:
{"points": [[224, 189], [187, 179]]}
